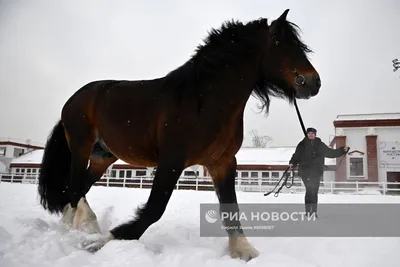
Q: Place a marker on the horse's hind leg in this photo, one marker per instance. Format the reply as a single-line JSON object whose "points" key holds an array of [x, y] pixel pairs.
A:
{"points": [[85, 218], [98, 166], [223, 176], [78, 213], [164, 182]]}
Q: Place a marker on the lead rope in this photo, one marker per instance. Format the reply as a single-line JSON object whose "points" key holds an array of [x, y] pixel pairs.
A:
{"points": [[286, 173], [300, 119], [286, 176]]}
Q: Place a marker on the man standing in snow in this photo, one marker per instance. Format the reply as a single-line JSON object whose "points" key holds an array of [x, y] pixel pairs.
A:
{"points": [[310, 156]]}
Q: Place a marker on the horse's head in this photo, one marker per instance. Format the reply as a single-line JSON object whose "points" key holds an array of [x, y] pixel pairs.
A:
{"points": [[287, 67]]}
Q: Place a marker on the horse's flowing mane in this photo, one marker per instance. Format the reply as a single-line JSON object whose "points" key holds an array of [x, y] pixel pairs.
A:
{"points": [[231, 44]]}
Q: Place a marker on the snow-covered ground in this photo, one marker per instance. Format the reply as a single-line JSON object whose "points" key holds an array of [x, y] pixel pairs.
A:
{"points": [[29, 236]]}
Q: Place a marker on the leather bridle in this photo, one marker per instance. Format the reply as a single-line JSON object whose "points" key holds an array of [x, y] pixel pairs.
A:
{"points": [[299, 79]]}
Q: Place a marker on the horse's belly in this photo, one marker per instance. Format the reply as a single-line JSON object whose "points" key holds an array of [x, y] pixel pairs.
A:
{"points": [[135, 148]]}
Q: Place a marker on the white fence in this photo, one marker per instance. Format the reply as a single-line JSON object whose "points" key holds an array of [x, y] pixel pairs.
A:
{"points": [[246, 185]]}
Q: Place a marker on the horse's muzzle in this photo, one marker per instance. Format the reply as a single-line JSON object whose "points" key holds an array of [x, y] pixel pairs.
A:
{"points": [[307, 86]]}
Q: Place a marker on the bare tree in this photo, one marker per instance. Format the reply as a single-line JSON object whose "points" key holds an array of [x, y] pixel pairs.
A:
{"points": [[259, 140], [396, 64]]}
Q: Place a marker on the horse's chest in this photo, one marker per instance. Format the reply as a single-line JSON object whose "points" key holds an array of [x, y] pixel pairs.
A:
{"points": [[226, 143]]}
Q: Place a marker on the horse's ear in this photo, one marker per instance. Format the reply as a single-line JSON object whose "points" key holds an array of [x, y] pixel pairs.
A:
{"points": [[284, 15], [275, 23]]}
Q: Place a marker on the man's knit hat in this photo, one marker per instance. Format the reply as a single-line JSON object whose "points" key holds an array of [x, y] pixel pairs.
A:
{"points": [[311, 129]]}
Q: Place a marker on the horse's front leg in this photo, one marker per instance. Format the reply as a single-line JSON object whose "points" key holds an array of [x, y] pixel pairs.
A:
{"points": [[223, 176]]}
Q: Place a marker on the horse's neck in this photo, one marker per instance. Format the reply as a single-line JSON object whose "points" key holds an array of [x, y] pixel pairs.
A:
{"points": [[235, 86]]}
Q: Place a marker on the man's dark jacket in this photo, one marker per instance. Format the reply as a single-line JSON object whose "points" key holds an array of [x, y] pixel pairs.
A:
{"points": [[310, 156]]}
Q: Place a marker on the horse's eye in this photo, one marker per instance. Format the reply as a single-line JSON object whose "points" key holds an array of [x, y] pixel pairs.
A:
{"points": [[277, 42]]}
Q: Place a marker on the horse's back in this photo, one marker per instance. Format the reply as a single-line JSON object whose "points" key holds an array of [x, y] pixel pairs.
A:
{"points": [[102, 94], [119, 113]]}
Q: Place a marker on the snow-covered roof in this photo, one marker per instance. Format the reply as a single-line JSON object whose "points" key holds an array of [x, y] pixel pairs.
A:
{"points": [[269, 156], [263, 156], [371, 116], [245, 156], [31, 157]]}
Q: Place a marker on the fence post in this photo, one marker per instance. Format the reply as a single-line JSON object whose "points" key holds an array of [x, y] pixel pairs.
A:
{"points": [[123, 183], [331, 187], [197, 184], [384, 188], [141, 182], [108, 181], [357, 187]]}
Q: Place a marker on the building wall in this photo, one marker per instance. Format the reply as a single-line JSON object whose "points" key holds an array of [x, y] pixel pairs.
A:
{"points": [[5, 161], [2, 167], [6, 158], [329, 176], [367, 143], [388, 137], [13, 150], [10, 150]]}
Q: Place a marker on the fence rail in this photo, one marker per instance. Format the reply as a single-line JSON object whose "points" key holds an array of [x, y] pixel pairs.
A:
{"points": [[245, 185]]}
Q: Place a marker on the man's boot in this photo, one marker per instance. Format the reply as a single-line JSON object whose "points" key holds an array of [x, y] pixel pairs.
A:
{"points": [[314, 207], [308, 209]]}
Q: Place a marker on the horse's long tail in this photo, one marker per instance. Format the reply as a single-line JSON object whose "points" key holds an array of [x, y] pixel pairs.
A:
{"points": [[54, 171]]}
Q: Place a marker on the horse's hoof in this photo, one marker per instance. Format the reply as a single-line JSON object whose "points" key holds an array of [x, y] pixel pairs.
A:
{"points": [[240, 248], [95, 245], [246, 254]]}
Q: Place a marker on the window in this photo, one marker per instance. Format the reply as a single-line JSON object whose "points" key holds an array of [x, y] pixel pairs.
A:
{"points": [[356, 166], [113, 173], [245, 174], [121, 174], [275, 174], [140, 173], [128, 174], [191, 173], [265, 178], [254, 177], [2, 151], [18, 152]]}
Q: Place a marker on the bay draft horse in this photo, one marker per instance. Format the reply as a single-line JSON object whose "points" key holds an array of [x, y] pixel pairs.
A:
{"points": [[193, 115]]}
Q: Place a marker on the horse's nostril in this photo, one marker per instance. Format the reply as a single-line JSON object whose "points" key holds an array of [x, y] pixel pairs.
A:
{"points": [[318, 82]]}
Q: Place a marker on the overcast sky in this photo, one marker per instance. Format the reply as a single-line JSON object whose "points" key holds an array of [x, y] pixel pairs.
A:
{"points": [[49, 49]]}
